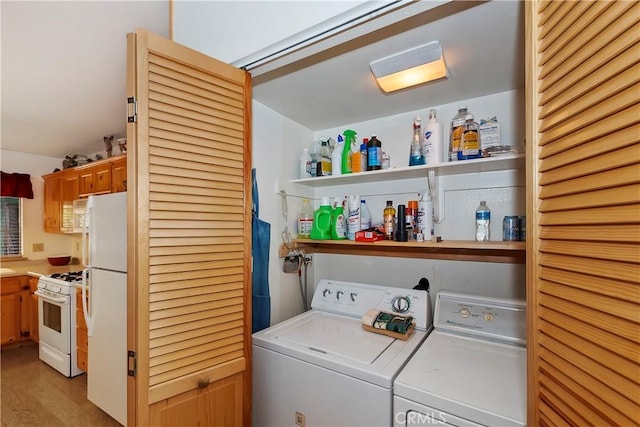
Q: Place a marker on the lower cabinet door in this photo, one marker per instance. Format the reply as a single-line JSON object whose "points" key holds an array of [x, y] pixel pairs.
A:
{"points": [[217, 404]]}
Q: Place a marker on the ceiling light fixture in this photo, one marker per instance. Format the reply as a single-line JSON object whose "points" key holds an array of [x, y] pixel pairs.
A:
{"points": [[411, 67]]}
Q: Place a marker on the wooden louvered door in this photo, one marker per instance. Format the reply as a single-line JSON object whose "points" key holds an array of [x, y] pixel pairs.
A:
{"points": [[583, 209], [189, 163]]}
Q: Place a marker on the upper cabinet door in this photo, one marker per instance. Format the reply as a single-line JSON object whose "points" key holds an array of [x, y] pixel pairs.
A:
{"points": [[189, 234], [582, 213]]}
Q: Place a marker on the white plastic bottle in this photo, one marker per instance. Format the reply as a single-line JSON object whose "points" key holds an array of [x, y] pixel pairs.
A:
{"points": [[433, 139], [365, 215], [305, 164], [353, 217], [305, 219], [483, 221], [336, 158], [425, 216]]}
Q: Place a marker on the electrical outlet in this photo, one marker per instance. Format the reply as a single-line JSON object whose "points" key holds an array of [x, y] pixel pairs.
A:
{"points": [[38, 247], [300, 419], [77, 246]]}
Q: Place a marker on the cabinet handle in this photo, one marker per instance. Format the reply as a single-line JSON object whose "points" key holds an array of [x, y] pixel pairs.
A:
{"points": [[203, 382]]}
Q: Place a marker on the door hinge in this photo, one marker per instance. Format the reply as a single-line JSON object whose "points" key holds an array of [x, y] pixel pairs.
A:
{"points": [[131, 363], [132, 110]]}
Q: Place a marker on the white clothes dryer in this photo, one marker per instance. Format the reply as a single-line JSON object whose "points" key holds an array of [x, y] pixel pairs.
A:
{"points": [[471, 371], [321, 368]]}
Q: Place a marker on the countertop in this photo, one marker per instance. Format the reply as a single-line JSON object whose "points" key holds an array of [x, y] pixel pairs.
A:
{"points": [[35, 268]]}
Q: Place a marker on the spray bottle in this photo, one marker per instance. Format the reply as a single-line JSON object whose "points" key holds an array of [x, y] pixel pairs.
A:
{"points": [[350, 146]]}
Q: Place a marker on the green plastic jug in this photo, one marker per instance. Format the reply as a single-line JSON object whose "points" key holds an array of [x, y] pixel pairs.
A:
{"points": [[321, 229]]}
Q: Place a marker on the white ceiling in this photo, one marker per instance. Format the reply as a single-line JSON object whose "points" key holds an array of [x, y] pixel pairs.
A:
{"points": [[63, 69]]}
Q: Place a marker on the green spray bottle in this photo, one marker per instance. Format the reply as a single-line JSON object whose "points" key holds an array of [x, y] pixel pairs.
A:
{"points": [[350, 145]]}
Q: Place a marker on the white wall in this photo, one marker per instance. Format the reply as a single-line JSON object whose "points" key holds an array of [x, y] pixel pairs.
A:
{"points": [[230, 30], [32, 210]]}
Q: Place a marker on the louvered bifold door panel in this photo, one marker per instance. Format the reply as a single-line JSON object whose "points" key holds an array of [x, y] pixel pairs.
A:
{"points": [[197, 225], [585, 296]]}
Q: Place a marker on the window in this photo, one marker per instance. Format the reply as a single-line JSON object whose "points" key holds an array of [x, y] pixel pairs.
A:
{"points": [[11, 224]]}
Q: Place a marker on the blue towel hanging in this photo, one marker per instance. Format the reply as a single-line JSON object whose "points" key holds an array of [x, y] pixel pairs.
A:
{"points": [[260, 241]]}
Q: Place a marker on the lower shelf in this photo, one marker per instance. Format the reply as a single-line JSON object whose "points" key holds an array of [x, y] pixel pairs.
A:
{"points": [[455, 250]]}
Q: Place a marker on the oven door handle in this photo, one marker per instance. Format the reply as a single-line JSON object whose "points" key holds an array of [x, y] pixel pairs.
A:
{"points": [[60, 301]]}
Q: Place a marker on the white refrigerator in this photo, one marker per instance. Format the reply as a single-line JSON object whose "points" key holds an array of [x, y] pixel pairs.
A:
{"points": [[105, 312]]}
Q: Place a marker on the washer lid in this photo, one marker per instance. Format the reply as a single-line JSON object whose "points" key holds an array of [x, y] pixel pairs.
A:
{"points": [[330, 334], [340, 344], [473, 378]]}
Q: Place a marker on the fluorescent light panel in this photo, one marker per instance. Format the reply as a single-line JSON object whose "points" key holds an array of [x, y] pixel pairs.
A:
{"points": [[409, 68]]}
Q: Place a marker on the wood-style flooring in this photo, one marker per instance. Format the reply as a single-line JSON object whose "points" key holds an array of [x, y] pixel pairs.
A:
{"points": [[34, 394]]}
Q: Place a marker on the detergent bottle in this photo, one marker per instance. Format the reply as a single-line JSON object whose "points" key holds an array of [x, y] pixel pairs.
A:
{"points": [[321, 229], [350, 146], [338, 220]]}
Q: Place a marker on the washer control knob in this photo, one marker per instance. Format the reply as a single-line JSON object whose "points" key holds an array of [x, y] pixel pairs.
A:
{"points": [[326, 292], [488, 317], [353, 296], [339, 294], [400, 304], [464, 313]]}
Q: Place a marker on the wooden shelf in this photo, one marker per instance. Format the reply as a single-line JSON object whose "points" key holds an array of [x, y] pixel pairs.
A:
{"points": [[511, 161], [456, 250]]}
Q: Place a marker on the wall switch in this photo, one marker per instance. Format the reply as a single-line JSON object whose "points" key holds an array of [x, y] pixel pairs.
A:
{"points": [[300, 419], [77, 246], [38, 247]]}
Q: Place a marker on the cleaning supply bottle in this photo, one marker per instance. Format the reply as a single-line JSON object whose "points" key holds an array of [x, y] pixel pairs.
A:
{"points": [[425, 216], [416, 151], [338, 220], [363, 154], [389, 216], [305, 164], [365, 215], [433, 139], [336, 157], [350, 147], [374, 154], [353, 218], [325, 152], [457, 127], [470, 142], [321, 229], [305, 219]]}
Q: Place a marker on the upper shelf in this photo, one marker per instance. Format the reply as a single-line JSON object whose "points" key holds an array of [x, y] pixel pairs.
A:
{"points": [[505, 162]]}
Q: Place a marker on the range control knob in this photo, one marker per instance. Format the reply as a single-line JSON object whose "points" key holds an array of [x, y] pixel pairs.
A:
{"points": [[326, 292], [339, 294], [401, 304]]}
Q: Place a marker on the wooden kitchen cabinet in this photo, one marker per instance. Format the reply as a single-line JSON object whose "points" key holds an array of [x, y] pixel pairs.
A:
{"points": [[63, 187], [94, 179], [82, 336], [52, 202], [119, 175], [15, 301]]}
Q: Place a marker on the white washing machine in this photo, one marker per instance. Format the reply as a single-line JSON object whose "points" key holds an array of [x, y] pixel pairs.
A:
{"points": [[471, 371], [321, 368]]}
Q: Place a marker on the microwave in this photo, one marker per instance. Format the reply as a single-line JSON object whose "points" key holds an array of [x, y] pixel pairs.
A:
{"points": [[78, 216]]}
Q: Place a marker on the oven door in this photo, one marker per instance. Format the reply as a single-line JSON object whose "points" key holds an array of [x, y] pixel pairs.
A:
{"points": [[54, 317]]}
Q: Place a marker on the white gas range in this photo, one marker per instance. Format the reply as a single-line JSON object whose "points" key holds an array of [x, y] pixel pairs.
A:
{"points": [[57, 321]]}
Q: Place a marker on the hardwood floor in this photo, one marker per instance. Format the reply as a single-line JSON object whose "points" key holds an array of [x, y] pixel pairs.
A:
{"points": [[35, 394]]}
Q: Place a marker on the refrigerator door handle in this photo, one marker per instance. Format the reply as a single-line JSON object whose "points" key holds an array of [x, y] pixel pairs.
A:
{"points": [[85, 231], [86, 306]]}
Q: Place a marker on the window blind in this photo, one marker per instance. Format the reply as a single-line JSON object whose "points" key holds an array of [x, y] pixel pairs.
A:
{"points": [[11, 220]]}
